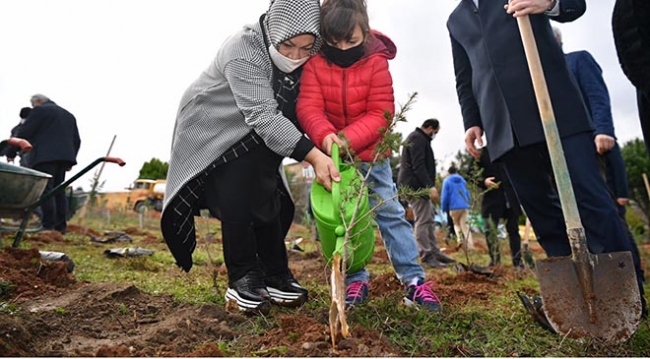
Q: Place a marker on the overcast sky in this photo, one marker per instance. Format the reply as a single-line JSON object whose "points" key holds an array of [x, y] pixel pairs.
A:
{"points": [[121, 67]]}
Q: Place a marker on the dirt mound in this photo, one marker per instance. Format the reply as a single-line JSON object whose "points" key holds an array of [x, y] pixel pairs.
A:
{"points": [[114, 320], [298, 335], [24, 275], [464, 286], [46, 237], [75, 229]]}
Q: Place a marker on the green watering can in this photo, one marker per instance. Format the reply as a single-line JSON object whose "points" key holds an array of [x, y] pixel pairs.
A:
{"points": [[327, 206]]}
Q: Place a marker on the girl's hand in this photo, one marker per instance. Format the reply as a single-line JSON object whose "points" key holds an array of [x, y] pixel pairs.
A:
{"points": [[324, 167], [329, 140]]}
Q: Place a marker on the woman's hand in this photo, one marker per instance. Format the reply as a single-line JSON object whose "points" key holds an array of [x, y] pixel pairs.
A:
{"points": [[324, 167]]}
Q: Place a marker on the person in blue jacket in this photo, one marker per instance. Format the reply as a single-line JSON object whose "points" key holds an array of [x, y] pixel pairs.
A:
{"points": [[455, 200]]}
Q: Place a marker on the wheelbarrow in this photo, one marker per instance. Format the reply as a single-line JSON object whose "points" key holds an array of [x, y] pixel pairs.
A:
{"points": [[21, 189]]}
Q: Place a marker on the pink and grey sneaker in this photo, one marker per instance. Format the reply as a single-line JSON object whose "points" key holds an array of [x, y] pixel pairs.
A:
{"points": [[356, 293], [421, 295]]}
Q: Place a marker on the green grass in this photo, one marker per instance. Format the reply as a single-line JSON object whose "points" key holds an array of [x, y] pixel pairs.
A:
{"points": [[496, 327]]}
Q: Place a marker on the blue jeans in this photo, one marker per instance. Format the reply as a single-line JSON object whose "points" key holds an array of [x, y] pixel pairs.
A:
{"points": [[396, 232]]}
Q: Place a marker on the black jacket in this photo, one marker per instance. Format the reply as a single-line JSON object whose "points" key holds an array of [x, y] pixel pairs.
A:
{"points": [[631, 25], [493, 81], [495, 200], [417, 167], [53, 133]]}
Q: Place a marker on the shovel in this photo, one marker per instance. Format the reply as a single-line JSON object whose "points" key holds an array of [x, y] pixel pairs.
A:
{"points": [[585, 295]]}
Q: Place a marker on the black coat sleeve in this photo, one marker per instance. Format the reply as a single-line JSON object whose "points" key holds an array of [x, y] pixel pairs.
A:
{"points": [[571, 10], [463, 71]]}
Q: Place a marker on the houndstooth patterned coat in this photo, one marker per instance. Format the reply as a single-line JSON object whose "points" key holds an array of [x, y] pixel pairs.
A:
{"points": [[228, 110]]}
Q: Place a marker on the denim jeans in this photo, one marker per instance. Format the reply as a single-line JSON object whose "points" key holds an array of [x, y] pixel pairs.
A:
{"points": [[396, 232]]}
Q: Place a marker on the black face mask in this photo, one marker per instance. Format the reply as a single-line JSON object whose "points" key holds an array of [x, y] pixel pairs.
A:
{"points": [[343, 58]]}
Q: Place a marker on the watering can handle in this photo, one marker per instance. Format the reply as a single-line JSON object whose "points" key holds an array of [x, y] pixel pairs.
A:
{"points": [[336, 189], [117, 160]]}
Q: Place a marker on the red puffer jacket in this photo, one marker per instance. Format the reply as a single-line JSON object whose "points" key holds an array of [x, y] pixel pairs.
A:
{"points": [[351, 100]]}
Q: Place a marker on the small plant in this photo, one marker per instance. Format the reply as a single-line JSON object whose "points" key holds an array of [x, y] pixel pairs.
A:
{"points": [[59, 310], [123, 309], [6, 289]]}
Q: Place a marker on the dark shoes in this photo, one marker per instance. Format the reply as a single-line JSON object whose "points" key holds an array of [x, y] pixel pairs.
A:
{"points": [[285, 290], [436, 260], [250, 294], [443, 258]]}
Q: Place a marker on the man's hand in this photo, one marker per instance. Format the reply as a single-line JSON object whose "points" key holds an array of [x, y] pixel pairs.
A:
{"points": [[328, 140], [474, 134], [324, 167], [622, 201], [433, 194], [604, 143], [526, 7], [490, 183]]}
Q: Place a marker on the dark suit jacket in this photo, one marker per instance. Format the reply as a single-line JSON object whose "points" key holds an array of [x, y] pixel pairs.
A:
{"points": [[54, 134], [494, 200], [493, 82], [417, 168]]}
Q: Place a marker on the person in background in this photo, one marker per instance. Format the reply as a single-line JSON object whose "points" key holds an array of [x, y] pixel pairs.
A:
{"points": [[589, 77], [631, 30], [417, 171], [353, 66], [54, 135], [234, 126], [11, 152], [455, 200], [499, 202]]}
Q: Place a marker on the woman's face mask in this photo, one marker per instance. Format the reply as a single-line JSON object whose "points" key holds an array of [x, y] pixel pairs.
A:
{"points": [[292, 53]]}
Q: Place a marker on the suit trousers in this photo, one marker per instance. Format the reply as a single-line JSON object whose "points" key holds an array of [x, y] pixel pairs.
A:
{"points": [[530, 172], [54, 209]]}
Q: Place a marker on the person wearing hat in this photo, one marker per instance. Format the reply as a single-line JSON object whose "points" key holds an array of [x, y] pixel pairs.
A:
{"points": [[235, 125]]}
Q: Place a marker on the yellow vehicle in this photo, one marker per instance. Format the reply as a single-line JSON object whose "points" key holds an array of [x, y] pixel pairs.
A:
{"points": [[147, 193]]}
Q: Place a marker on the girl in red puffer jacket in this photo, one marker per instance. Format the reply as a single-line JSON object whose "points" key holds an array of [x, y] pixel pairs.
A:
{"points": [[346, 90]]}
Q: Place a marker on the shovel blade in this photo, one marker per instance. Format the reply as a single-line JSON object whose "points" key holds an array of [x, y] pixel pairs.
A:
{"points": [[615, 304]]}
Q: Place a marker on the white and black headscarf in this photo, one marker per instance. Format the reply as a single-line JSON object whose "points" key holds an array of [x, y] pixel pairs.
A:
{"points": [[289, 18], [285, 20]]}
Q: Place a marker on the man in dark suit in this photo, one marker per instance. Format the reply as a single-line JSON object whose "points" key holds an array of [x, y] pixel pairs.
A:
{"points": [[54, 135], [417, 171], [632, 38], [496, 96]]}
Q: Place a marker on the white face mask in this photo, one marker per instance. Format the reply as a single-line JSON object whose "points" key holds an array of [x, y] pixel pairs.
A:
{"points": [[433, 136], [284, 63]]}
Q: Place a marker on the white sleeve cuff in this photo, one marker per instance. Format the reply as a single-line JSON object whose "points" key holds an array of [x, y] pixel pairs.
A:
{"points": [[555, 11]]}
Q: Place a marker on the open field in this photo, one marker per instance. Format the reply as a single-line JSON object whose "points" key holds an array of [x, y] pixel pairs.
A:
{"points": [[147, 306]]}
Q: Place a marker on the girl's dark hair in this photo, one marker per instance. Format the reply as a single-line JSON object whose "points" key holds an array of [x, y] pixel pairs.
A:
{"points": [[339, 18]]}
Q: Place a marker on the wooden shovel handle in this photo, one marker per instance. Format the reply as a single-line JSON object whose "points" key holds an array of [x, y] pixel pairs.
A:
{"points": [[647, 185], [553, 141]]}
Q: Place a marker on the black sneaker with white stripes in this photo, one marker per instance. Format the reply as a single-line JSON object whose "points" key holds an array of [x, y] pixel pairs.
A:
{"points": [[250, 294], [285, 290]]}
